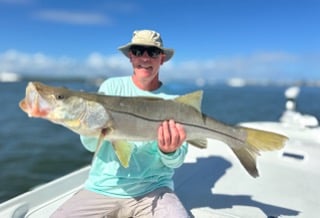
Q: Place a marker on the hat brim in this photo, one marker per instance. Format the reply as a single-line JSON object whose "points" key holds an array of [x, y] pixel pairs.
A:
{"points": [[167, 51]]}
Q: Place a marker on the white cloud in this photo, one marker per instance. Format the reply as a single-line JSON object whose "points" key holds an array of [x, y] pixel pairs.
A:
{"points": [[108, 65], [261, 66], [35, 64], [41, 65], [72, 17], [240, 64]]}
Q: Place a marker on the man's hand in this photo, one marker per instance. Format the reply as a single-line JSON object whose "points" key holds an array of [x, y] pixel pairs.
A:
{"points": [[171, 135]]}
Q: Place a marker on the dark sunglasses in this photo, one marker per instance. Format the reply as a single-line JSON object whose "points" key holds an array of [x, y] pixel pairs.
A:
{"points": [[138, 51]]}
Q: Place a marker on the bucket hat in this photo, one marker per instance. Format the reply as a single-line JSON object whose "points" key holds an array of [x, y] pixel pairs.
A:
{"points": [[147, 38]]}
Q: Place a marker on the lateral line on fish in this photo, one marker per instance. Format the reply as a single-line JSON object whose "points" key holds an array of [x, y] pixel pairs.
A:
{"points": [[189, 124]]}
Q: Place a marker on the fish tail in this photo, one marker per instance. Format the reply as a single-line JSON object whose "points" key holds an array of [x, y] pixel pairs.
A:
{"points": [[256, 141]]}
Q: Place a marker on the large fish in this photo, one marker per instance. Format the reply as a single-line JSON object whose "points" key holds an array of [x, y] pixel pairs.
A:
{"points": [[123, 119]]}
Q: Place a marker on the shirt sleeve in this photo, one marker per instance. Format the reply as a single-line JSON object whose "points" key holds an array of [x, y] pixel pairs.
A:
{"points": [[175, 159], [109, 87], [90, 143]]}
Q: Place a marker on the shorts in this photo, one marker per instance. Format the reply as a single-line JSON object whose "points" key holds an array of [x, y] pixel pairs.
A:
{"points": [[162, 202]]}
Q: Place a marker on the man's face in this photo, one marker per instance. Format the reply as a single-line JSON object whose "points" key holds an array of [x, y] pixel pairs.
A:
{"points": [[146, 61]]}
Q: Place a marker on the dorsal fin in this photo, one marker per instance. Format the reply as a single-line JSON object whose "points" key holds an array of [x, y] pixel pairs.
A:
{"points": [[193, 99]]}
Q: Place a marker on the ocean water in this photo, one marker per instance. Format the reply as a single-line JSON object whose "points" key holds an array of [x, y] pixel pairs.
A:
{"points": [[35, 151]]}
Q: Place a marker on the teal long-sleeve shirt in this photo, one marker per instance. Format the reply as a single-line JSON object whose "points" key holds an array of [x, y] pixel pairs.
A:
{"points": [[148, 169]]}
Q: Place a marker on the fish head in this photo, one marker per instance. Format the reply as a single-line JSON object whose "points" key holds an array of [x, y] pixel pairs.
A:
{"points": [[37, 102], [63, 106], [52, 103]]}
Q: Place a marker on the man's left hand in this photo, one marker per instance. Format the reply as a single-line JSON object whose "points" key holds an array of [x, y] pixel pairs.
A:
{"points": [[171, 135]]}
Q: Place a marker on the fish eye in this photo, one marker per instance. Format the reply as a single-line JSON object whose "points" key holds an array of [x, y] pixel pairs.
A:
{"points": [[60, 96]]}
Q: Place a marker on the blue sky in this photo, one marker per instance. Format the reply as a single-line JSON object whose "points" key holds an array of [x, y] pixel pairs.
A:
{"points": [[214, 39]]}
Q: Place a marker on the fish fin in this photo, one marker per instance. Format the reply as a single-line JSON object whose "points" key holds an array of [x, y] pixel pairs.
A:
{"points": [[264, 140], [200, 143], [247, 158], [73, 123], [123, 150], [102, 135], [257, 140], [193, 99], [99, 143]]}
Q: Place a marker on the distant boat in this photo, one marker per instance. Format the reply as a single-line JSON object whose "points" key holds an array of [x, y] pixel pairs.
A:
{"points": [[9, 77], [236, 82]]}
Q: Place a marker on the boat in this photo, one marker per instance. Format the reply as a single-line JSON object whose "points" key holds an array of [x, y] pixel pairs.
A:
{"points": [[9, 77], [212, 183]]}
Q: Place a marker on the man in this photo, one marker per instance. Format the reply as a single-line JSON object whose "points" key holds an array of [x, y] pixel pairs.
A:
{"points": [[145, 188]]}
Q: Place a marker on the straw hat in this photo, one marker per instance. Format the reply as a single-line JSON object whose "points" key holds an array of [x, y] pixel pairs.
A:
{"points": [[147, 38]]}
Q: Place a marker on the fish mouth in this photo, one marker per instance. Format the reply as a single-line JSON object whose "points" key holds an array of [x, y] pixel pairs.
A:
{"points": [[34, 104]]}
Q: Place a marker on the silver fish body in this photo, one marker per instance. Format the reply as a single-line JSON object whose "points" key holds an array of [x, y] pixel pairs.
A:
{"points": [[122, 119]]}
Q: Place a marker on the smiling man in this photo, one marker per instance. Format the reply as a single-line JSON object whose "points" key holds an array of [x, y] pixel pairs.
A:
{"points": [[145, 187]]}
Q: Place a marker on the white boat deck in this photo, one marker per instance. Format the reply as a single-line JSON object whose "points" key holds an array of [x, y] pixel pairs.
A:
{"points": [[212, 183], [218, 185]]}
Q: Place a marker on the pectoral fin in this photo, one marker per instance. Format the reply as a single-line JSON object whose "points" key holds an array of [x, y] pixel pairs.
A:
{"points": [[123, 150], [73, 123], [103, 133]]}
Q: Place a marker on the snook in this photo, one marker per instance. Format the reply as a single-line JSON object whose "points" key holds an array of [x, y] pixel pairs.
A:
{"points": [[119, 119]]}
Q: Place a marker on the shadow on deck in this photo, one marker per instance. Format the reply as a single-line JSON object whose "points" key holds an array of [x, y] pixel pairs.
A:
{"points": [[194, 183]]}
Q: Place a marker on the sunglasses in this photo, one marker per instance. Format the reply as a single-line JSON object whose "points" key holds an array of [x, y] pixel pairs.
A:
{"points": [[138, 51]]}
